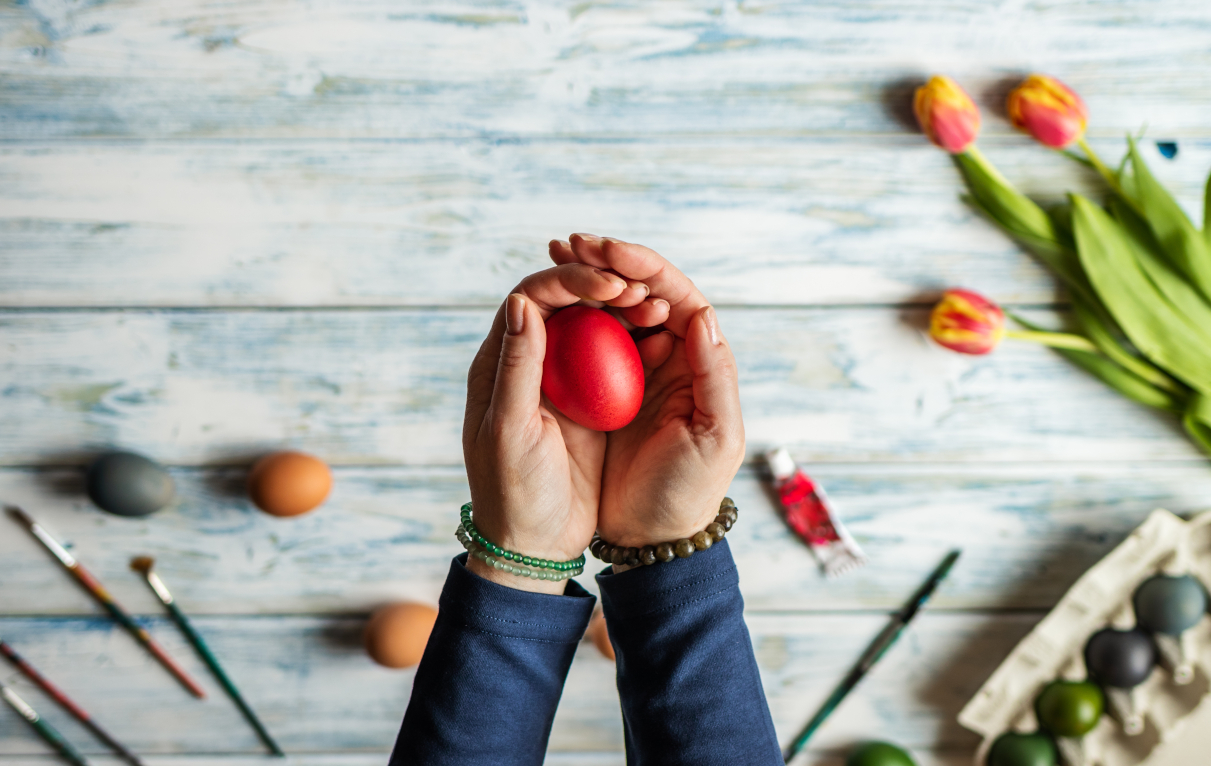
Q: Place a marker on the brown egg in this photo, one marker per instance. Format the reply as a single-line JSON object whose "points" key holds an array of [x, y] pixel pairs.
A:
{"points": [[397, 633], [601, 638], [289, 483]]}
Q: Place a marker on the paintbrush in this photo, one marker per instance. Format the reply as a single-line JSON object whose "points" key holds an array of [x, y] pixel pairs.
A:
{"points": [[884, 641], [66, 703], [48, 732], [145, 564], [93, 586]]}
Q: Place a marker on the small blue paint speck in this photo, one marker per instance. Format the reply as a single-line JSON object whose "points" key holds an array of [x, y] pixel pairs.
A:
{"points": [[1168, 149]]}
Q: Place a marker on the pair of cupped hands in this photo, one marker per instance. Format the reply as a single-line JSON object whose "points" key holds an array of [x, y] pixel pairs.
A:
{"points": [[540, 483]]}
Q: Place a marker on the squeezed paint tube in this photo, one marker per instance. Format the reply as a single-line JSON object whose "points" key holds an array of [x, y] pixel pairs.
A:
{"points": [[812, 517]]}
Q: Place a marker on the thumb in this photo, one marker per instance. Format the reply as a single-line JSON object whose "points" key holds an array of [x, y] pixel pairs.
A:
{"points": [[716, 389], [517, 392]]}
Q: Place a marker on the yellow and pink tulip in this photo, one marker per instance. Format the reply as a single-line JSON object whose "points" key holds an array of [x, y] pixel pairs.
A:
{"points": [[946, 114], [1048, 110]]}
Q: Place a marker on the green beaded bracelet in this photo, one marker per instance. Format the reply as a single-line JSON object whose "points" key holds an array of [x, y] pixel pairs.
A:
{"points": [[534, 573], [683, 548], [467, 529]]}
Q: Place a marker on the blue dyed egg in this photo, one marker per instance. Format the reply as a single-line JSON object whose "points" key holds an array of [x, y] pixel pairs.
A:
{"points": [[126, 484], [1170, 605]]}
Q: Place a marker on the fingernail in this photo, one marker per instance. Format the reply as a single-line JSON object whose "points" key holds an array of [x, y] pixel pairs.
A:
{"points": [[611, 239], [659, 301], [515, 314], [646, 290], [614, 279], [590, 237], [712, 325], [559, 242]]}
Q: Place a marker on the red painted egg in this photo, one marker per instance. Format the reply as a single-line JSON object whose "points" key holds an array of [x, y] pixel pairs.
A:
{"points": [[592, 372]]}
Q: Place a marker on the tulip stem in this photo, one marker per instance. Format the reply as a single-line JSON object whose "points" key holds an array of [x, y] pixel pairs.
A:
{"points": [[1055, 340], [1106, 173]]}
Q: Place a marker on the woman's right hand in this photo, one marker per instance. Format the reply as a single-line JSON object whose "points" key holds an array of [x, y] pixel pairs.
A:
{"points": [[666, 472], [535, 475]]}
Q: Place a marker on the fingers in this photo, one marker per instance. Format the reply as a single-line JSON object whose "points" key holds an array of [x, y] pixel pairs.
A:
{"points": [[654, 350], [649, 313], [641, 264], [569, 283], [716, 389], [588, 249], [634, 294], [518, 386], [546, 292], [561, 252]]}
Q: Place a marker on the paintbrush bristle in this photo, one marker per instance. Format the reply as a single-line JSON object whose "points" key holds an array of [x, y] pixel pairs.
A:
{"points": [[142, 564]]}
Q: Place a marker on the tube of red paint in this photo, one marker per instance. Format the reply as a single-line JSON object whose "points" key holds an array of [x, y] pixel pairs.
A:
{"points": [[812, 517]]}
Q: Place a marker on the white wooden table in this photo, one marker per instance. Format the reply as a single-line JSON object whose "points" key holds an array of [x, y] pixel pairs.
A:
{"points": [[232, 226]]}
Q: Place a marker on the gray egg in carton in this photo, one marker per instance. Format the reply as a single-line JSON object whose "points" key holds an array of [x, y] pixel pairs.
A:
{"points": [[1165, 720]]}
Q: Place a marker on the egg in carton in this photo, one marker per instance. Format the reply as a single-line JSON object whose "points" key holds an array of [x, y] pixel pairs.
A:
{"points": [[1119, 672]]}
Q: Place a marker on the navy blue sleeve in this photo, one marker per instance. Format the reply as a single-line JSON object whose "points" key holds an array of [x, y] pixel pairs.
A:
{"points": [[488, 685], [690, 690]]}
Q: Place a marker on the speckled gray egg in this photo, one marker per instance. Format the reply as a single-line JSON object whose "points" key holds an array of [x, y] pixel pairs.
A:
{"points": [[126, 484], [1120, 658], [1170, 605]]}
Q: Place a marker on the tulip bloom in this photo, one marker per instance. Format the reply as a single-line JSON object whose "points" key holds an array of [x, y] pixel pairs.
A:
{"points": [[947, 115], [1048, 110], [967, 322]]}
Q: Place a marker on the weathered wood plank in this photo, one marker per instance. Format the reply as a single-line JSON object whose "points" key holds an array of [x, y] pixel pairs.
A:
{"points": [[359, 387], [393, 69], [455, 223], [317, 692], [1027, 532]]}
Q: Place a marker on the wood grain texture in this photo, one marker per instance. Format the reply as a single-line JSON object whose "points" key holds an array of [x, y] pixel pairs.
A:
{"points": [[765, 222], [381, 387], [1027, 532], [328, 198], [317, 692], [380, 68]]}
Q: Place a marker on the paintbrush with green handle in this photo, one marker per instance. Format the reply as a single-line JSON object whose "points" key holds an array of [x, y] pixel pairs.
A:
{"points": [[874, 652], [98, 591], [145, 564], [48, 732]]}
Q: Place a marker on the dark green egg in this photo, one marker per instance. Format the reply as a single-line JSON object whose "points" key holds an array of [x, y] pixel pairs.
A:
{"points": [[127, 484], [1170, 605], [1120, 658], [1013, 749], [879, 754], [1069, 708]]}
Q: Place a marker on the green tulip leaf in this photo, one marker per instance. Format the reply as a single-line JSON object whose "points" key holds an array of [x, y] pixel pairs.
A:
{"points": [[1019, 217], [1207, 213], [1122, 380], [1188, 301], [1117, 377], [1184, 246], [1149, 320], [1009, 207], [1197, 420], [1096, 329]]}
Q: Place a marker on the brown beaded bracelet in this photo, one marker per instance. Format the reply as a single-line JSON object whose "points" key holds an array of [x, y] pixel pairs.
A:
{"points": [[683, 548]]}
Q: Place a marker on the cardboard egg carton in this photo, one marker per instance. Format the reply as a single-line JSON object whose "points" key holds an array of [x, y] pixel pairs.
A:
{"points": [[1175, 717]]}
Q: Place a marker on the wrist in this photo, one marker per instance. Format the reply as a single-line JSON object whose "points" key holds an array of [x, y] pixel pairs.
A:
{"points": [[516, 582], [654, 531], [624, 557]]}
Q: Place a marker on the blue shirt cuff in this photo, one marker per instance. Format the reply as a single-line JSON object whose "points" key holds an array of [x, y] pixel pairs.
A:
{"points": [[489, 607], [670, 585]]}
